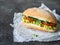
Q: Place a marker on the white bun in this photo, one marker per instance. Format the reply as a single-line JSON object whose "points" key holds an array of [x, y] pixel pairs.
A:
{"points": [[37, 27], [40, 14]]}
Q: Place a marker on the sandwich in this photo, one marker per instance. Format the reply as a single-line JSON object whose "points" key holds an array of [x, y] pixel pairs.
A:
{"points": [[39, 19]]}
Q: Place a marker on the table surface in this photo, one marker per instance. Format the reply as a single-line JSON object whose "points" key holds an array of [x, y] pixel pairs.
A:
{"points": [[7, 9]]}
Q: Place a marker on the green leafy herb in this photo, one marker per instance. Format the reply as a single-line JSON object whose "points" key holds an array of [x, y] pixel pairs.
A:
{"points": [[38, 22], [35, 35]]}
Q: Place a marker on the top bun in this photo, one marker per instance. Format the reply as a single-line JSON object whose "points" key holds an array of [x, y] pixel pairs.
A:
{"points": [[40, 14]]}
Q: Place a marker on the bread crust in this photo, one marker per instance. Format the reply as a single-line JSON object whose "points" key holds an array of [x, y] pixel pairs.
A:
{"points": [[40, 14], [37, 27]]}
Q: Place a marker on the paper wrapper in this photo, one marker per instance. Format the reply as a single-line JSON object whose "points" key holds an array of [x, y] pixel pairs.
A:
{"points": [[23, 34]]}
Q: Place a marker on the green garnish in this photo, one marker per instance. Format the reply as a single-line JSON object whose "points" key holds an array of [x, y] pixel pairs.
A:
{"points": [[38, 22], [36, 35]]}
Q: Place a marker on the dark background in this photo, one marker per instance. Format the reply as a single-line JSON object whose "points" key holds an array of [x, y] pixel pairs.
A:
{"points": [[7, 9]]}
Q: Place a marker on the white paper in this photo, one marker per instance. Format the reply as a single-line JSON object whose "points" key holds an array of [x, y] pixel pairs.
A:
{"points": [[23, 34]]}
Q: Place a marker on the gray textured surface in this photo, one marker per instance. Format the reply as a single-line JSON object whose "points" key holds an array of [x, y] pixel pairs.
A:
{"points": [[7, 9]]}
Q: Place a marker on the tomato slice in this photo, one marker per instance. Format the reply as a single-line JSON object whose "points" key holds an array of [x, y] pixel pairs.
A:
{"points": [[49, 24]]}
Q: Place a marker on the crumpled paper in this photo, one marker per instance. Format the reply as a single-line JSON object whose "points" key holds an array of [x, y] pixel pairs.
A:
{"points": [[23, 34]]}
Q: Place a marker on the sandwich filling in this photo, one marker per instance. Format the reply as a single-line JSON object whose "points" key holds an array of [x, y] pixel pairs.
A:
{"points": [[41, 23]]}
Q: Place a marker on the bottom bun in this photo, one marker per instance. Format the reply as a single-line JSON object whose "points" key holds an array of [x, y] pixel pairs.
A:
{"points": [[37, 27]]}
